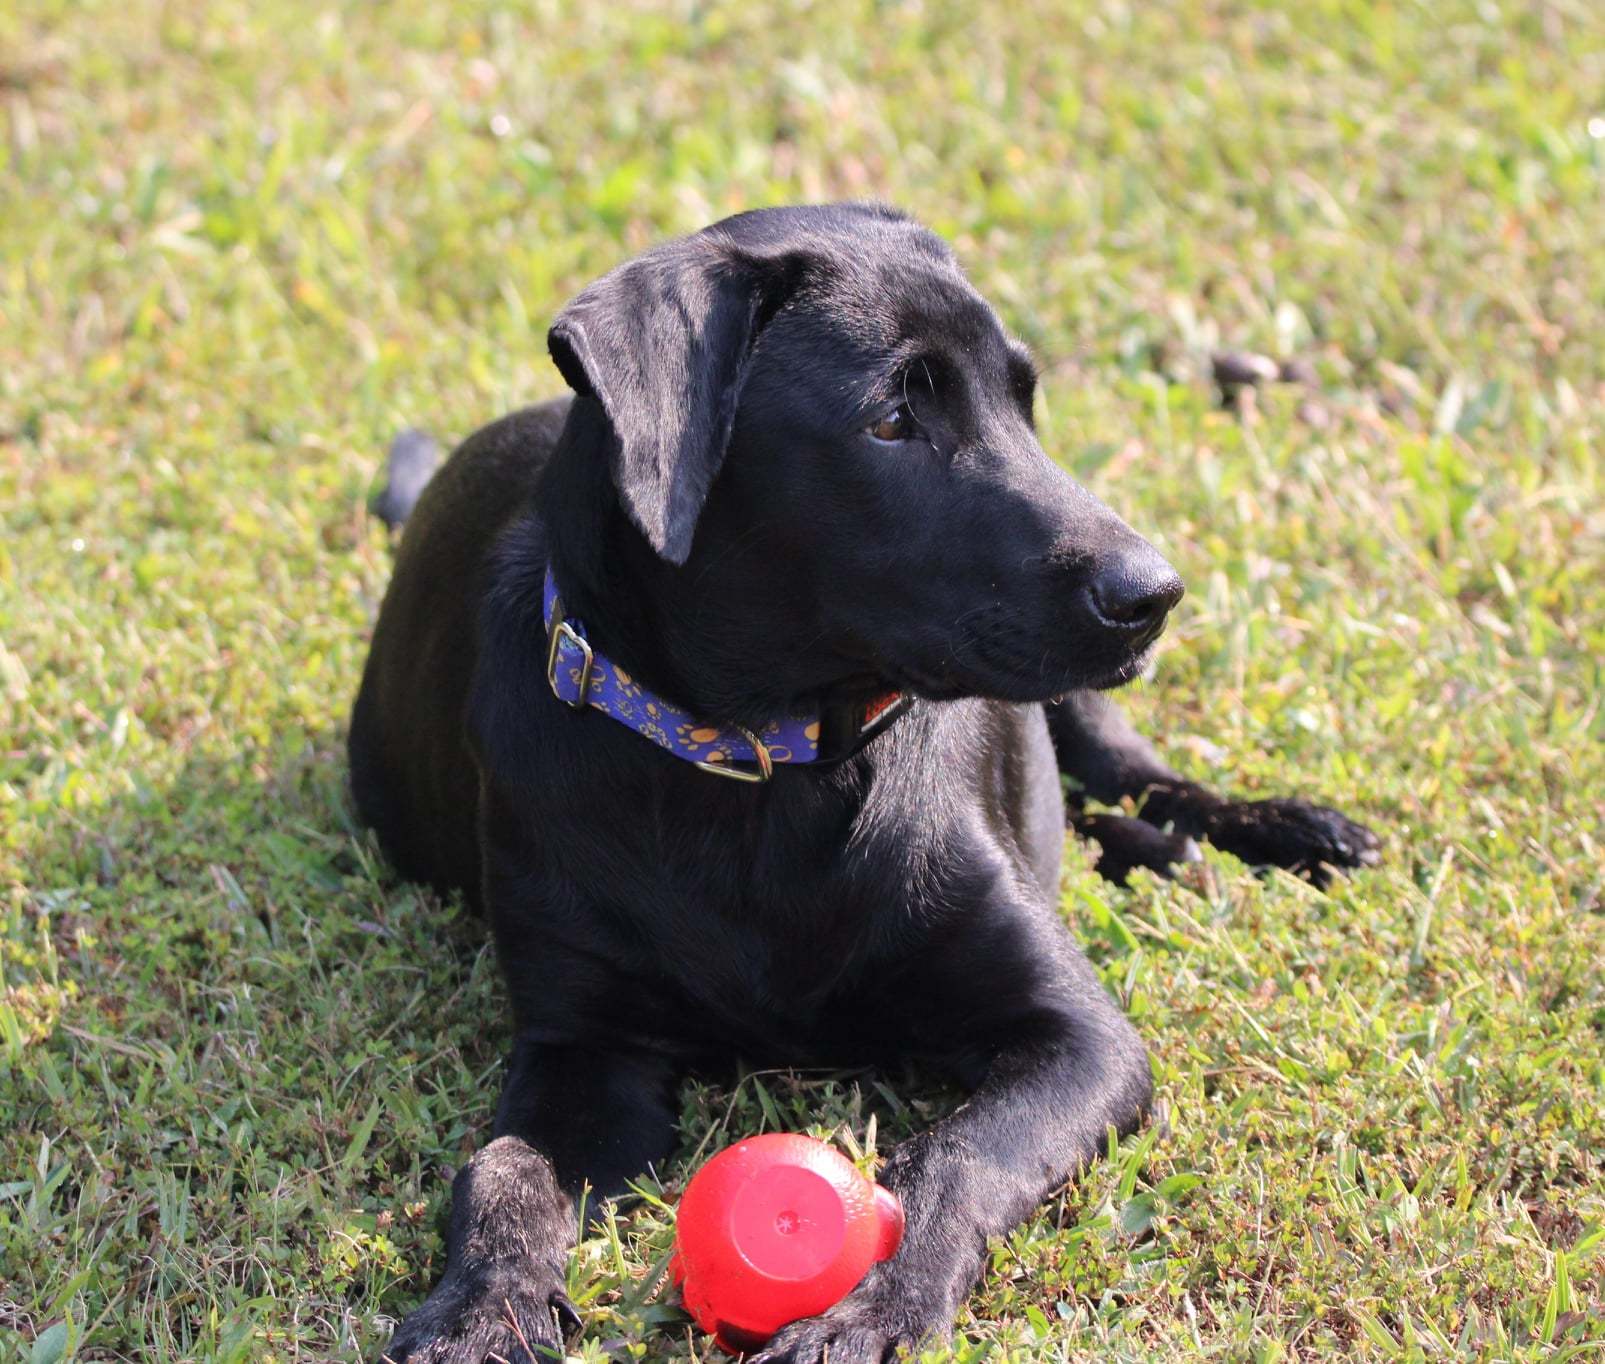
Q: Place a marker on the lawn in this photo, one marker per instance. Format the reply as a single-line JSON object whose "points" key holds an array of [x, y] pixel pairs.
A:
{"points": [[242, 245]]}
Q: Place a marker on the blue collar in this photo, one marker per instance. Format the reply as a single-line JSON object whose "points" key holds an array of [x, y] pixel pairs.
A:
{"points": [[581, 677]]}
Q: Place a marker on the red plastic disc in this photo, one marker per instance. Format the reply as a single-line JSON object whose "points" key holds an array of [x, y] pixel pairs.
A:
{"points": [[788, 1222], [773, 1229]]}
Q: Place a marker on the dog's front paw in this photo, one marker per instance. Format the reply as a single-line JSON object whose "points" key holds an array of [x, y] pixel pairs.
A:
{"points": [[1126, 844], [486, 1318], [869, 1326], [1309, 840]]}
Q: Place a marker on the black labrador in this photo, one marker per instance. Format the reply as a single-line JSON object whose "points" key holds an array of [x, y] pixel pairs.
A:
{"points": [[798, 477]]}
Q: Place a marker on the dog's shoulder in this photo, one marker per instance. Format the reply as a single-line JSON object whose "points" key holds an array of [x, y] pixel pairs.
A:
{"points": [[508, 454], [487, 480]]}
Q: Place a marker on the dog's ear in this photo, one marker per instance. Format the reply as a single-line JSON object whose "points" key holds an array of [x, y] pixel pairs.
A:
{"points": [[663, 344]]}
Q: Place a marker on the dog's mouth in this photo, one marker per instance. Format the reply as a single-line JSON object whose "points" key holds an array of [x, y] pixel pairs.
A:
{"points": [[993, 655], [1011, 680], [1012, 665], [1129, 671]]}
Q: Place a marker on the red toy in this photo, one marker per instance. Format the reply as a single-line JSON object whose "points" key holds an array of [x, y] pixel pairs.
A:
{"points": [[773, 1229]]}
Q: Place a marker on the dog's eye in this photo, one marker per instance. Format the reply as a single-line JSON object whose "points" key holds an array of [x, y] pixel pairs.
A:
{"points": [[895, 426]]}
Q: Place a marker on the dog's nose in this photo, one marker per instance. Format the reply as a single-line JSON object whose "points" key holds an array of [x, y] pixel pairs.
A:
{"points": [[1135, 591]]}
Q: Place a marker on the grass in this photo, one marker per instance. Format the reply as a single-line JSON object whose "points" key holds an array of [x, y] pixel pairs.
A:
{"points": [[241, 245]]}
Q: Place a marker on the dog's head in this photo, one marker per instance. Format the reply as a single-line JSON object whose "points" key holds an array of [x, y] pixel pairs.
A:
{"points": [[823, 441]]}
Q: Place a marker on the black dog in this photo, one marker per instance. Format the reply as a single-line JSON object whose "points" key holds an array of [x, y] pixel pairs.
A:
{"points": [[800, 475]]}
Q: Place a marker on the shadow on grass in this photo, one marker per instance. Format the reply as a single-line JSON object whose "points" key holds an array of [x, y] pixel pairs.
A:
{"points": [[256, 1059]]}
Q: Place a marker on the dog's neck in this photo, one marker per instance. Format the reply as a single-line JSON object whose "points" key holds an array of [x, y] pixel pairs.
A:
{"points": [[654, 618]]}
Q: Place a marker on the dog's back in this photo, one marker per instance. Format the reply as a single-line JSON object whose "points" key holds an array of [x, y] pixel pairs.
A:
{"points": [[412, 784]]}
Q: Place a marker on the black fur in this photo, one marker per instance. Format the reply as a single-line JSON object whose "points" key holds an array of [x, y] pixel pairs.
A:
{"points": [[408, 468], [719, 514]]}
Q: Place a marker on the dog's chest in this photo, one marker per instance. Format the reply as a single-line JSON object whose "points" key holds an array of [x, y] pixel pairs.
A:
{"points": [[761, 933], [783, 962]]}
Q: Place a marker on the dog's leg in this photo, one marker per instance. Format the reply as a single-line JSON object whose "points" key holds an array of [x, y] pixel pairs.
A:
{"points": [[569, 1117], [1098, 747], [1125, 844], [1059, 1077]]}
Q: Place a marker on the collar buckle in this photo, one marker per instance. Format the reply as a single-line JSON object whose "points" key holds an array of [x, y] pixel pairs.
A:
{"points": [[557, 632], [890, 708], [764, 770], [847, 728]]}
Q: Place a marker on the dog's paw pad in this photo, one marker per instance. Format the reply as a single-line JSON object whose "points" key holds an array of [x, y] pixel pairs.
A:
{"points": [[513, 1324]]}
